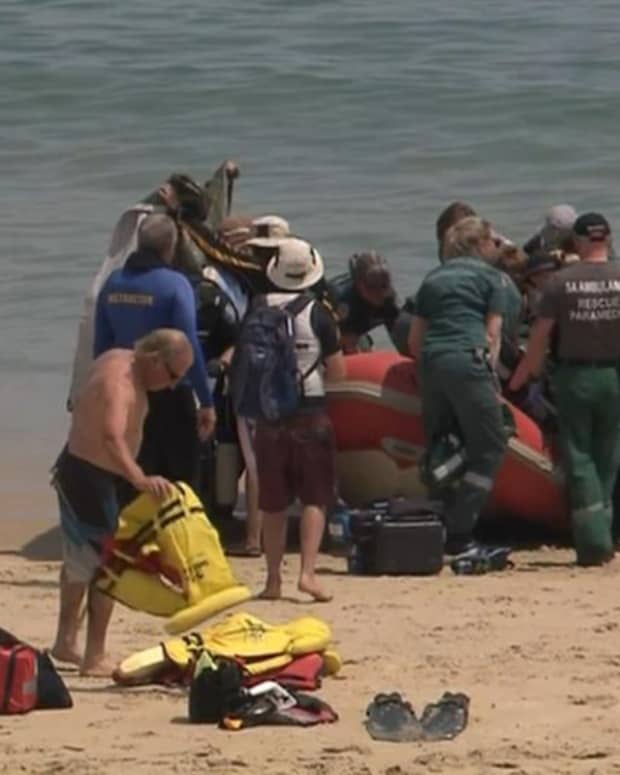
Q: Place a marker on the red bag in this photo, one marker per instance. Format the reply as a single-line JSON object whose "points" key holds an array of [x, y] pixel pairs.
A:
{"points": [[18, 678], [28, 678]]}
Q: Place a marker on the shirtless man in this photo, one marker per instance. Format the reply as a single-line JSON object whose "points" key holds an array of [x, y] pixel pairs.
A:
{"points": [[104, 438]]}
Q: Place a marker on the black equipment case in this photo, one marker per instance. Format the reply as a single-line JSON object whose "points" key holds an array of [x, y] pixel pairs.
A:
{"points": [[403, 537]]}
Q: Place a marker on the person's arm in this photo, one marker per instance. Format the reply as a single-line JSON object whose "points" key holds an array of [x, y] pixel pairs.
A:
{"points": [[335, 367], [497, 304], [226, 356], [417, 332], [326, 330], [184, 318], [115, 408], [349, 342], [493, 325], [534, 359], [390, 313]]}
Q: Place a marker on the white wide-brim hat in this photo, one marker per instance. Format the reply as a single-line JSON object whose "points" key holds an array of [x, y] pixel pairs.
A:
{"points": [[295, 266], [271, 229]]}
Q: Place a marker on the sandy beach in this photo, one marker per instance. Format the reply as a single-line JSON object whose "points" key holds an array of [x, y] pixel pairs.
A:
{"points": [[535, 648]]}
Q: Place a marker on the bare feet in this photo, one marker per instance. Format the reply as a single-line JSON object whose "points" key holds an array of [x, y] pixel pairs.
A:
{"points": [[66, 654], [99, 668], [310, 586], [272, 591]]}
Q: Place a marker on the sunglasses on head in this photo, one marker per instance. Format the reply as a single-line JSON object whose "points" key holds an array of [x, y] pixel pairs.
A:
{"points": [[171, 372]]}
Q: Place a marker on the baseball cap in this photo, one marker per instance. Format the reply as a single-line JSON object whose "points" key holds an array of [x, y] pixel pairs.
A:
{"points": [[561, 217], [594, 226], [559, 221], [372, 269]]}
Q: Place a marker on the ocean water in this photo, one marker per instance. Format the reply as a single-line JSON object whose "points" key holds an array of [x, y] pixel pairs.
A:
{"points": [[358, 121]]}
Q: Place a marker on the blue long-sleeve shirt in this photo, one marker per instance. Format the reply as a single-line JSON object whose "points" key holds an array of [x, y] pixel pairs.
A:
{"points": [[135, 301]]}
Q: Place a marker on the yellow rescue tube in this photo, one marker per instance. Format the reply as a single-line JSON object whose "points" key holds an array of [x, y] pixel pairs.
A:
{"points": [[261, 646], [190, 617]]}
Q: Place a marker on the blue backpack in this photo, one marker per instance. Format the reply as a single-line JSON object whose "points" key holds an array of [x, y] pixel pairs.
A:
{"points": [[265, 381]]}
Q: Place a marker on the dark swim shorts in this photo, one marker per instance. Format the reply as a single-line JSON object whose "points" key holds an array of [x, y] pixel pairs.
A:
{"points": [[88, 513], [296, 459]]}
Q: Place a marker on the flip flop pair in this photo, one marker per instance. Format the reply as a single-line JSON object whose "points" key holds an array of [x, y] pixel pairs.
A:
{"points": [[390, 717]]}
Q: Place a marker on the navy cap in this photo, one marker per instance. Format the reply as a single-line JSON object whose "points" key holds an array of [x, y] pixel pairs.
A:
{"points": [[594, 226]]}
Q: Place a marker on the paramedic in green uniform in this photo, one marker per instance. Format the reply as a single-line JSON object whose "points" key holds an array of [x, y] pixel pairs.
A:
{"points": [[581, 306], [455, 338]]}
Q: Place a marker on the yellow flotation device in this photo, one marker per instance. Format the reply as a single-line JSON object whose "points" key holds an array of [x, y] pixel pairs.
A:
{"points": [[167, 560], [260, 646]]}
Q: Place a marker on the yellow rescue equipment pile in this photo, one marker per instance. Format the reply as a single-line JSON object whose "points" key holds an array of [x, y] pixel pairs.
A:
{"points": [[167, 560], [259, 646]]}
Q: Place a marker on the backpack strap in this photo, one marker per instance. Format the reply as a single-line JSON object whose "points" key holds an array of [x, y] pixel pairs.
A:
{"points": [[299, 304], [259, 300], [296, 307]]}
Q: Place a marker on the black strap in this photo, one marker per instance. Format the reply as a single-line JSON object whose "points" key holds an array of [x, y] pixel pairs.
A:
{"points": [[299, 304]]}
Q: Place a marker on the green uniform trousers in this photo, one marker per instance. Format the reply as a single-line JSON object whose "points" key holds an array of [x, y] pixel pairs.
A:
{"points": [[588, 405], [459, 394]]}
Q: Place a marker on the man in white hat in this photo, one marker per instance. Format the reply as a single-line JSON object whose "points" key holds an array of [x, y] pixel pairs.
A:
{"points": [[296, 456]]}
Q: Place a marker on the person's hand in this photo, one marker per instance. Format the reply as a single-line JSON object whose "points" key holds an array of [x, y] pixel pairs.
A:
{"points": [[232, 169], [169, 196], [157, 486], [520, 377], [216, 367], [206, 422]]}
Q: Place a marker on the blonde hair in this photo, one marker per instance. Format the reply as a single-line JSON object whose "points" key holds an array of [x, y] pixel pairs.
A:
{"points": [[167, 343], [463, 237]]}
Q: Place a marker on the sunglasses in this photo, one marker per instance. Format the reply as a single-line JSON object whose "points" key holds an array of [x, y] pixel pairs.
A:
{"points": [[171, 372]]}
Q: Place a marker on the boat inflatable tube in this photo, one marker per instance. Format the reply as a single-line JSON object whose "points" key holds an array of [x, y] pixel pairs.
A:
{"points": [[377, 416], [166, 559]]}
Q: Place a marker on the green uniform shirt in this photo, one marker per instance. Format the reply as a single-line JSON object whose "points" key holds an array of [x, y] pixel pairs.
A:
{"points": [[455, 300]]}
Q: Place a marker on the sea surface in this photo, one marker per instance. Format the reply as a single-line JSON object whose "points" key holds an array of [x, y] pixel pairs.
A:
{"points": [[356, 120]]}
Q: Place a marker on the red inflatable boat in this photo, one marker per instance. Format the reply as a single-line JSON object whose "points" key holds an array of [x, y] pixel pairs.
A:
{"points": [[377, 418]]}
